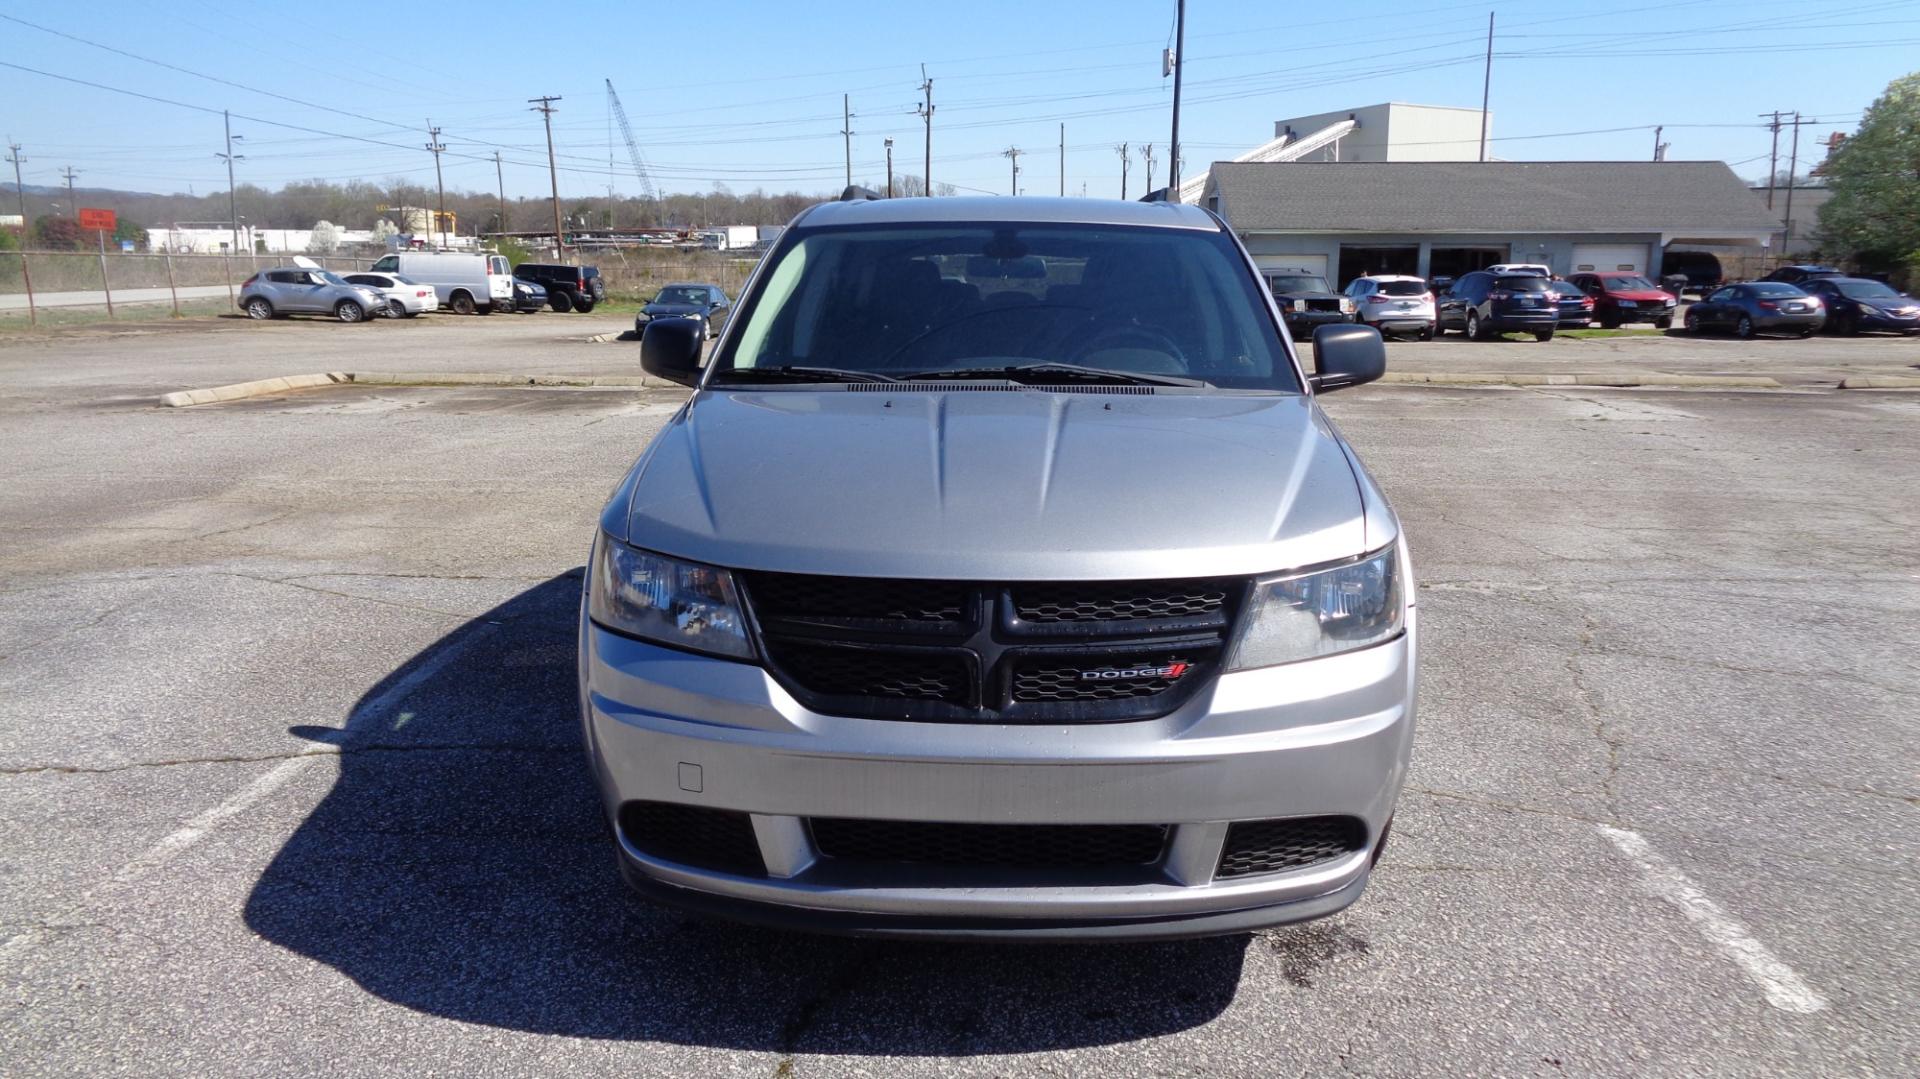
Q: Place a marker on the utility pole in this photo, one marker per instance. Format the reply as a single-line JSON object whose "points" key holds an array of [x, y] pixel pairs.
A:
{"points": [[1063, 160], [889, 168], [1146, 152], [1173, 145], [435, 146], [1121, 149], [233, 213], [1793, 168], [544, 106], [1659, 148], [1773, 155], [19, 188], [72, 200], [846, 134], [1012, 153], [925, 109], [501, 179], [1486, 88]]}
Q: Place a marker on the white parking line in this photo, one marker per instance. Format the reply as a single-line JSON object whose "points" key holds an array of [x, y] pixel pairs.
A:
{"points": [[1783, 987], [246, 798]]}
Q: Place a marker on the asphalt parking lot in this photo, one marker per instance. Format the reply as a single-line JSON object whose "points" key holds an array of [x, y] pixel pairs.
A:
{"points": [[290, 776]]}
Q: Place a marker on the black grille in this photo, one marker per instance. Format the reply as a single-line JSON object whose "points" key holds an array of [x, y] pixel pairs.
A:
{"points": [[1049, 846], [842, 672], [966, 651], [717, 839], [797, 595], [1118, 682], [1269, 846], [1119, 601]]}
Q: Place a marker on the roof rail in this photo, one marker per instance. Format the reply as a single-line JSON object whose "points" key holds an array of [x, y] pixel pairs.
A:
{"points": [[856, 193]]}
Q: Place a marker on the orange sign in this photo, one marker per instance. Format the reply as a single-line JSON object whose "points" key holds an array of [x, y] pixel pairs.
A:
{"points": [[103, 220]]}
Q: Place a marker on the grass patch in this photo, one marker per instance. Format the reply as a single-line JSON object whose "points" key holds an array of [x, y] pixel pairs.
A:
{"points": [[53, 318]]}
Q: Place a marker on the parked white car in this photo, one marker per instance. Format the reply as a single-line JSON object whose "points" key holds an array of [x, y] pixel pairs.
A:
{"points": [[1393, 303], [1508, 269], [405, 296], [469, 284]]}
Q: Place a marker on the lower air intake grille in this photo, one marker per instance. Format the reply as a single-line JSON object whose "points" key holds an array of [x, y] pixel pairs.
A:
{"points": [[1044, 846], [1269, 846], [717, 839], [844, 672]]}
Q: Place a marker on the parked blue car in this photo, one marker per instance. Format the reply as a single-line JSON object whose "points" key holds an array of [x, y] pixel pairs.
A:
{"points": [[1758, 307], [1860, 303]]}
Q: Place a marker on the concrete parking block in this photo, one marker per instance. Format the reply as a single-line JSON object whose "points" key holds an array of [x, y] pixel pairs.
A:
{"points": [[1880, 382]]}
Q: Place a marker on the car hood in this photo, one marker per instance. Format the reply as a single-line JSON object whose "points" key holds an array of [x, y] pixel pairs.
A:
{"points": [[671, 310], [1884, 303], [1002, 485]]}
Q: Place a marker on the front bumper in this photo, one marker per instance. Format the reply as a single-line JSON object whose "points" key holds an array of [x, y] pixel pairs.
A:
{"points": [[1321, 737], [1308, 320], [1661, 313], [1874, 319]]}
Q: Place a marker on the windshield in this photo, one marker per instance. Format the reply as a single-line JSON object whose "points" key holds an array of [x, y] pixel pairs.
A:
{"points": [[1297, 283], [1403, 288], [1521, 283], [1628, 284], [1566, 288], [1865, 290], [904, 301], [681, 294]]}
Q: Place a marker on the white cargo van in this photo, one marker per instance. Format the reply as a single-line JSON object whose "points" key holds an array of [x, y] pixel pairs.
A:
{"points": [[465, 283]]}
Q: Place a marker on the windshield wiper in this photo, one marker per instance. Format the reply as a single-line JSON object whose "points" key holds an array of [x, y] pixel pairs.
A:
{"points": [[1034, 374], [791, 373]]}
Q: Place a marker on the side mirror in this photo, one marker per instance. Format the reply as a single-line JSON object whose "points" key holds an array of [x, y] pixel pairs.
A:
{"points": [[670, 349], [1347, 355]]}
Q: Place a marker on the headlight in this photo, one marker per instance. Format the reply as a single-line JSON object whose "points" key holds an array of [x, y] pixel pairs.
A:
{"points": [[682, 604], [1346, 305], [1308, 615]]}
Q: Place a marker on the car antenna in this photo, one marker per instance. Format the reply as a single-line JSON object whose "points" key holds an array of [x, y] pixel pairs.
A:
{"points": [[856, 193]]}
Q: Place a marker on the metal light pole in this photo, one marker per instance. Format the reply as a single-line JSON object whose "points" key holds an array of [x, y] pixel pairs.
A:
{"points": [[889, 168], [233, 212], [1486, 88], [926, 114], [846, 134]]}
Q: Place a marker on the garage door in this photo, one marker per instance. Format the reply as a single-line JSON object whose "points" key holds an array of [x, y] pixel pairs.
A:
{"points": [[1604, 257], [1315, 264]]}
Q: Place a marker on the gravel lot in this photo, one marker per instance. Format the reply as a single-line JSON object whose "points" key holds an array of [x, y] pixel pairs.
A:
{"points": [[290, 776]]}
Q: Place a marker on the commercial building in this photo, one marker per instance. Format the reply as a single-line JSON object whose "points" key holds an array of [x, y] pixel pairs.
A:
{"points": [[1348, 218]]}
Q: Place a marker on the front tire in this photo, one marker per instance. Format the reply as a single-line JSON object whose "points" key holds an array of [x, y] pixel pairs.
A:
{"points": [[1847, 325], [349, 311], [1693, 323], [1609, 322], [1663, 324], [1543, 335], [259, 310], [560, 302], [583, 305], [462, 303], [1744, 328]]}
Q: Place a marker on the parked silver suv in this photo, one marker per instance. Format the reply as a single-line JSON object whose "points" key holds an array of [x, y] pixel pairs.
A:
{"points": [[1002, 577], [297, 290]]}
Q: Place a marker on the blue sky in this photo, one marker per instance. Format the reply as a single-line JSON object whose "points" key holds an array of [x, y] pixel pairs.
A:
{"points": [[749, 94]]}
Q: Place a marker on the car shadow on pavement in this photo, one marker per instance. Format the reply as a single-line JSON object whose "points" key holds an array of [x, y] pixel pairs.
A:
{"points": [[460, 866]]}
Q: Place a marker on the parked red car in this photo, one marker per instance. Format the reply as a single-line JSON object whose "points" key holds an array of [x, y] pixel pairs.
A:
{"points": [[1624, 296]]}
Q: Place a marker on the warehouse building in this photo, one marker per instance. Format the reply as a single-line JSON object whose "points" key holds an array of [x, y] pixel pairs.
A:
{"points": [[1344, 219]]}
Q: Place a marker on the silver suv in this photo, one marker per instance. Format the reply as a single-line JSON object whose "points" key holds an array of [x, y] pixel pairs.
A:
{"points": [[1001, 578], [297, 290]]}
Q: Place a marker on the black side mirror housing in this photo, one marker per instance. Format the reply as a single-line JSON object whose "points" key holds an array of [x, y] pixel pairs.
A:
{"points": [[1347, 355], [670, 349]]}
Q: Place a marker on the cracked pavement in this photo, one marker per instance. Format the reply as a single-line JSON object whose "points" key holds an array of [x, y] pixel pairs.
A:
{"points": [[1689, 615]]}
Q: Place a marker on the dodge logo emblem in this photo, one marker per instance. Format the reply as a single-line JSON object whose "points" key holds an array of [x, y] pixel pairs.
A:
{"points": [[1124, 674]]}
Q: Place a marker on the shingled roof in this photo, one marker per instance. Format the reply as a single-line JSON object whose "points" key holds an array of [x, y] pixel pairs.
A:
{"points": [[1491, 196]]}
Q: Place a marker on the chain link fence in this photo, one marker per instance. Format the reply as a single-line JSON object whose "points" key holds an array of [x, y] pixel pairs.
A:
{"points": [[58, 285]]}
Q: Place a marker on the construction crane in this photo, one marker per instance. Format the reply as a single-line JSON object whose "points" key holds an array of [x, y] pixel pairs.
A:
{"points": [[633, 148]]}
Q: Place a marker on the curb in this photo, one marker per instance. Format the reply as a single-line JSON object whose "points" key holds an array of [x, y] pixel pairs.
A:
{"points": [[1652, 378], [1880, 382], [266, 387]]}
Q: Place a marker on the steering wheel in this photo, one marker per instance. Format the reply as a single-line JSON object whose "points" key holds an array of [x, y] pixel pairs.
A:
{"points": [[1140, 337]]}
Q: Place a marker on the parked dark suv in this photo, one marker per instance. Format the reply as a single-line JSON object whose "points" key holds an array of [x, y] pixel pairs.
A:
{"points": [[1485, 306], [1802, 273], [1306, 302], [569, 288]]}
